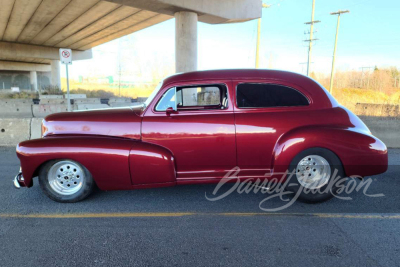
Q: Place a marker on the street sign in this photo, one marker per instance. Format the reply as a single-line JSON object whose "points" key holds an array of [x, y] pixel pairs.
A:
{"points": [[65, 56]]}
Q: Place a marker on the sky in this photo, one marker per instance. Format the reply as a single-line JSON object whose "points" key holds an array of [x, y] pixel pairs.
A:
{"points": [[368, 36]]}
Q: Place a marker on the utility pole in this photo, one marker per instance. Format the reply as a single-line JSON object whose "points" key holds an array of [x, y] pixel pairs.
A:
{"points": [[119, 68], [364, 74], [334, 49], [312, 22], [258, 37]]}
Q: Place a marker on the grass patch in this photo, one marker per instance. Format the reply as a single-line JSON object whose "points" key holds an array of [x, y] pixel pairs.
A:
{"points": [[20, 95], [349, 97]]}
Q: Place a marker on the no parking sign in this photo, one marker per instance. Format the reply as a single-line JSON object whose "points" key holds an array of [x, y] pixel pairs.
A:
{"points": [[65, 56]]}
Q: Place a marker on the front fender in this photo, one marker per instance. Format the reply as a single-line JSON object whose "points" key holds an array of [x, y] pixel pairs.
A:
{"points": [[106, 158], [361, 153], [151, 164], [115, 163]]}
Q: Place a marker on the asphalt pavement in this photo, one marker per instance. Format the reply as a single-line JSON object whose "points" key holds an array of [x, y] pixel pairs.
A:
{"points": [[178, 226]]}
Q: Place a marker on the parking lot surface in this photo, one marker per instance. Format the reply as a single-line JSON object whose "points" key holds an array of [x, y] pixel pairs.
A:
{"points": [[178, 226]]}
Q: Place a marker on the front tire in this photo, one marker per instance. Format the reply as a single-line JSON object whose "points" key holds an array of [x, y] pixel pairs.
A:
{"points": [[65, 181], [315, 175]]}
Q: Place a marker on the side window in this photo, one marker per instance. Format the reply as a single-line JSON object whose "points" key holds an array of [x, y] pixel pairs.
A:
{"points": [[199, 96], [167, 100], [252, 95], [195, 98]]}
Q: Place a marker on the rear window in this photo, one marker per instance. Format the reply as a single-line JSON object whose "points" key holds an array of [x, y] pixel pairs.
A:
{"points": [[251, 95]]}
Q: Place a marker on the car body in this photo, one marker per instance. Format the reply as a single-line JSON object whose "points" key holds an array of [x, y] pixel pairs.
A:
{"points": [[156, 145]]}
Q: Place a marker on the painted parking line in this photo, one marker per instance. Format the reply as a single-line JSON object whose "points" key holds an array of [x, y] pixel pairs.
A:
{"points": [[181, 214], [95, 215], [358, 216]]}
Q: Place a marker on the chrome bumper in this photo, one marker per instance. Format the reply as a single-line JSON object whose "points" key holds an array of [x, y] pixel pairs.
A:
{"points": [[18, 179]]}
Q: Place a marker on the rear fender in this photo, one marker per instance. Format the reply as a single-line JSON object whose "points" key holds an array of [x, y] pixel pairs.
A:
{"points": [[361, 153]]}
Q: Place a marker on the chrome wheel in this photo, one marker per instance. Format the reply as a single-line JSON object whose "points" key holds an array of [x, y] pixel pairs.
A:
{"points": [[66, 177], [313, 172]]}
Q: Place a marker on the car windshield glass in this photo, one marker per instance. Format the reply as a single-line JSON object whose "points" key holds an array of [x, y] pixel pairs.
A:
{"points": [[152, 95]]}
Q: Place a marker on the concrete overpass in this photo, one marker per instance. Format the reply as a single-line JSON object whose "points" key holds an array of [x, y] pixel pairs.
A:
{"points": [[32, 31]]}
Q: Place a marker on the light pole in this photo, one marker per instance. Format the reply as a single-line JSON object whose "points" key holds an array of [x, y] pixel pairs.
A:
{"points": [[312, 22], [258, 38], [334, 49]]}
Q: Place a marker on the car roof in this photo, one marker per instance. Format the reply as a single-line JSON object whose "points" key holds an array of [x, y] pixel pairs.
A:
{"points": [[233, 74], [308, 85]]}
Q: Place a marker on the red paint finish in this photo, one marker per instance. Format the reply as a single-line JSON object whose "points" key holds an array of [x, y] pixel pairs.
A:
{"points": [[360, 153], [119, 122], [107, 159], [142, 148], [151, 164], [202, 141]]}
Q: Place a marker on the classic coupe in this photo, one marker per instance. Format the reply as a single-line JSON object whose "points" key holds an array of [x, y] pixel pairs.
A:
{"points": [[194, 128]]}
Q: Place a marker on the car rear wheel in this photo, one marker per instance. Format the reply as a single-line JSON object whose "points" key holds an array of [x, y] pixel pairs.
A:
{"points": [[316, 172], [65, 181]]}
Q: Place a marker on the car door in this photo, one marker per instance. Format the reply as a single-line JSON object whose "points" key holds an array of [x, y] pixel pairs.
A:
{"points": [[199, 130], [264, 111]]}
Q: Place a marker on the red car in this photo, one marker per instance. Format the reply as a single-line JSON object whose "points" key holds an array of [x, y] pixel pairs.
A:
{"points": [[197, 126]]}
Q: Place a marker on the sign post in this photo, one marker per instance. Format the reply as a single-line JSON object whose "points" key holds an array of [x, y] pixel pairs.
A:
{"points": [[66, 58]]}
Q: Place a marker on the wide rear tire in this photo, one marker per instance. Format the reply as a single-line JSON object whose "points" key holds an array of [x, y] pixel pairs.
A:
{"points": [[315, 175]]}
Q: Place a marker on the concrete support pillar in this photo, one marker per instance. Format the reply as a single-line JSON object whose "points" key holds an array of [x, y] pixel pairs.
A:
{"points": [[55, 73], [34, 85], [185, 41]]}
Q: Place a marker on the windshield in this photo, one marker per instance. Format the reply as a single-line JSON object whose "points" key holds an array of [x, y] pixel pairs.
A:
{"points": [[152, 95]]}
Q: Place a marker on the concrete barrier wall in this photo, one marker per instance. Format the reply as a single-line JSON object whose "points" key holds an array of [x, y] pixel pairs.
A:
{"points": [[51, 97], [42, 110], [75, 96], [13, 131], [377, 110], [116, 102], [36, 128], [15, 110], [386, 129], [53, 101], [79, 107], [87, 101]]}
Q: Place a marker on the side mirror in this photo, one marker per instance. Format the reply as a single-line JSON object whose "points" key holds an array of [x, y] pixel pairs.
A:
{"points": [[170, 110]]}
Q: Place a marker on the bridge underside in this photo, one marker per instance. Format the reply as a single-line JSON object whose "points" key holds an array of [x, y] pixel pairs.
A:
{"points": [[32, 31], [75, 24]]}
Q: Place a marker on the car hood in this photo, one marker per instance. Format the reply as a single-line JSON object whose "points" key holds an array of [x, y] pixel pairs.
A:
{"points": [[115, 122]]}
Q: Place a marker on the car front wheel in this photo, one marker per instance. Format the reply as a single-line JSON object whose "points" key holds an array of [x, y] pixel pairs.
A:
{"points": [[316, 173], [65, 181]]}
